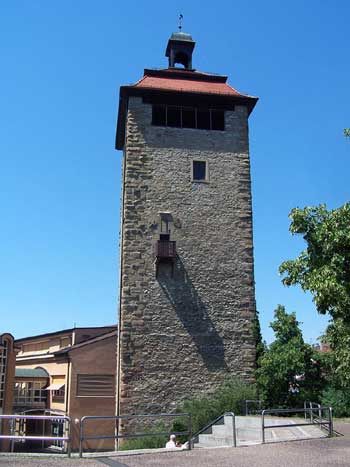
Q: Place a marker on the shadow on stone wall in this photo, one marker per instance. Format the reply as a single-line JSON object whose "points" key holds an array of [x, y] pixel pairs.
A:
{"points": [[190, 309]]}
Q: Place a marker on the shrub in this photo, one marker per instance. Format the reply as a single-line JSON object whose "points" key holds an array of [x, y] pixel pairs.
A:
{"points": [[338, 399], [227, 398], [151, 442]]}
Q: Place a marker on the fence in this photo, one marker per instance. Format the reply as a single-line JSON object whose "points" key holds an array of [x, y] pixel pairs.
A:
{"points": [[117, 436], [305, 411], [315, 411], [257, 405], [23, 437]]}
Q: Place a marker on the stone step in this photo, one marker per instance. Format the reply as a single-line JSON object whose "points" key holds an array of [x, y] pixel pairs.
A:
{"points": [[248, 431], [213, 441]]}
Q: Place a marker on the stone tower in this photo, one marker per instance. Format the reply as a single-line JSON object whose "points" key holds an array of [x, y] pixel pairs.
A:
{"points": [[186, 283]]}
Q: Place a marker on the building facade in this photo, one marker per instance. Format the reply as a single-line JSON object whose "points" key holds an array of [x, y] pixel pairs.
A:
{"points": [[187, 300], [70, 372], [7, 375]]}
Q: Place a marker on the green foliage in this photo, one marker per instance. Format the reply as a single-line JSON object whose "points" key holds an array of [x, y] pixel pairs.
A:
{"points": [[338, 399], [287, 357], [338, 336], [324, 270], [151, 442], [259, 344], [324, 267], [286, 328], [227, 398]]}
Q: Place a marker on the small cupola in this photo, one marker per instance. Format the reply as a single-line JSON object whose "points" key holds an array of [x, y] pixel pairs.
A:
{"points": [[179, 50]]}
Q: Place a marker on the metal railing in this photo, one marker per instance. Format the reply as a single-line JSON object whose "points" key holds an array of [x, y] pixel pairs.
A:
{"points": [[315, 410], [324, 421], [116, 436], [255, 402], [23, 437], [207, 427], [166, 249]]}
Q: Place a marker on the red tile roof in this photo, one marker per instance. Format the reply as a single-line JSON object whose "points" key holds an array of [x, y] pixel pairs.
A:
{"points": [[172, 83], [193, 82]]}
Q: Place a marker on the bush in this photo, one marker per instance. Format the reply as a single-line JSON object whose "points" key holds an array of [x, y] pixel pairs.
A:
{"points": [[227, 398], [338, 399], [151, 442]]}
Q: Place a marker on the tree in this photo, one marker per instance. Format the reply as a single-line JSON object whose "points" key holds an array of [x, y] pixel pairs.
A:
{"points": [[324, 267], [259, 343], [289, 372], [324, 270]]}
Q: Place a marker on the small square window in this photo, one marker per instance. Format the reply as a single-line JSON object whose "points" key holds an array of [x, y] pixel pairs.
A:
{"points": [[199, 171]]}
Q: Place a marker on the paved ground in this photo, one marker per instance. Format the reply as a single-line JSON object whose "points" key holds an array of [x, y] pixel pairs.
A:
{"points": [[324, 452]]}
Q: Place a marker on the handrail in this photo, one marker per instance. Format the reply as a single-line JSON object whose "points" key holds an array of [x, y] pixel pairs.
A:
{"points": [[234, 435], [315, 413], [247, 401], [328, 422], [63, 418], [82, 437]]}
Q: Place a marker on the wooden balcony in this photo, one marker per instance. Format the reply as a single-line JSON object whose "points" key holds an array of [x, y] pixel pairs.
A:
{"points": [[166, 249]]}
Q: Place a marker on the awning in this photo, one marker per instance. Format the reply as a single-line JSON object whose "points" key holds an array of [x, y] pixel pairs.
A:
{"points": [[54, 387]]}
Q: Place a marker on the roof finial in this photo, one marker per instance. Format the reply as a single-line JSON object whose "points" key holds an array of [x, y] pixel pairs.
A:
{"points": [[180, 22]]}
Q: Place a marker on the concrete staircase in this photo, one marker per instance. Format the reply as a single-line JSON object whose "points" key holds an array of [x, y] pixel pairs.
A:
{"points": [[248, 431]]}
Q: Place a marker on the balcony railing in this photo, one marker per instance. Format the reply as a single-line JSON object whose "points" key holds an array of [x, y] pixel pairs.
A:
{"points": [[166, 249]]}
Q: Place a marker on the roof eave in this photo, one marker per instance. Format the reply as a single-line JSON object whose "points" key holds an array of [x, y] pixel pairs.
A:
{"points": [[127, 91], [63, 331]]}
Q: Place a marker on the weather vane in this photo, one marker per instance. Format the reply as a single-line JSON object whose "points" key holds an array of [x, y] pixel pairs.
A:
{"points": [[347, 132], [180, 22]]}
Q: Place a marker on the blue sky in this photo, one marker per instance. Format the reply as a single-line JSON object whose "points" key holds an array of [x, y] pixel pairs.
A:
{"points": [[62, 64]]}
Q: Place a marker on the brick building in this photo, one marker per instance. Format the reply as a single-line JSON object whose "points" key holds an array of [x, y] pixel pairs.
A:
{"points": [[69, 372], [187, 298], [7, 375]]}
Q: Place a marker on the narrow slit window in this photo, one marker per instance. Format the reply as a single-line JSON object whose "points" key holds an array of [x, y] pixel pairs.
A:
{"points": [[199, 169], [164, 225], [159, 115]]}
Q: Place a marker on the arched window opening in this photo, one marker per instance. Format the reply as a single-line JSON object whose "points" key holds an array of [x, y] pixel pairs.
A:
{"points": [[181, 58]]}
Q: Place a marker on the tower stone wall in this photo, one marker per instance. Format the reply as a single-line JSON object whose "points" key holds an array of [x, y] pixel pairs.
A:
{"points": [[184, 327]]}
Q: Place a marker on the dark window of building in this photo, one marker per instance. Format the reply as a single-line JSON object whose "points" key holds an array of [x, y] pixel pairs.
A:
{"points": [[58, 394], [95, 385], [203, 119], [174, 116], [188, 118], [164, 225], [217, 120], [199, 170], [159, 115]]}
